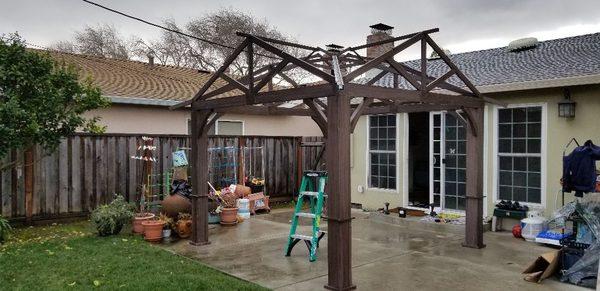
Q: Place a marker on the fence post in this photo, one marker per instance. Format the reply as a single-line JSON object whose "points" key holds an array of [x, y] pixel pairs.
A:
{"points": [[241, 161], [299, 163], [28, 184]]}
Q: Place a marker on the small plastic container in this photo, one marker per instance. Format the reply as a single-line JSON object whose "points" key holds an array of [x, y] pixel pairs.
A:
{"points": [[532, 227], [243, 208]]}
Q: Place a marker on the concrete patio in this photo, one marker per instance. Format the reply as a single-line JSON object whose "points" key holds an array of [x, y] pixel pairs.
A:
{"points": [[388, 254]]}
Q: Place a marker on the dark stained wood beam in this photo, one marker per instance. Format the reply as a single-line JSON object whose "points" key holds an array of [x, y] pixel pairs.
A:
{"points": [[474, 187], [265, 110], [216, 75], [378, 60], [269, 76], [283, 95], [199, 168], [250, 59], [438, 81], [395, 108], [402, 72], [394, 39], [358, 111], [235, 83], [317, 115], [339, 219], [404, 95], [299, 62]]}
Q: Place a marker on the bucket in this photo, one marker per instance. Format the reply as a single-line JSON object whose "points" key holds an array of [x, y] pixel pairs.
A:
{"points": [[243, 208], [532, 227]]}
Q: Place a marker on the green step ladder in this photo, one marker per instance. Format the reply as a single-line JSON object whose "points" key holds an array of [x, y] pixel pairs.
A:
{"points": [[312, 187]]}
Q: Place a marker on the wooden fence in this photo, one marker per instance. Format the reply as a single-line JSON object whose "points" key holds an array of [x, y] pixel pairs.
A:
{"points": [[86, 170]]}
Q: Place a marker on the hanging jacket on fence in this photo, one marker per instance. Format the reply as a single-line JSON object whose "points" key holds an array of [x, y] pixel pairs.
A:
{"points": [[579, 168]]}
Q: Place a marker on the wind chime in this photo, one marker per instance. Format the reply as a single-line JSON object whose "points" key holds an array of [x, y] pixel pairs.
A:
{"points": [[146, 154]]}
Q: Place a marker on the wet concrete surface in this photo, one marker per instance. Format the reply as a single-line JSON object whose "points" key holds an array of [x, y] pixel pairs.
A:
{"points": [[388, 254]]}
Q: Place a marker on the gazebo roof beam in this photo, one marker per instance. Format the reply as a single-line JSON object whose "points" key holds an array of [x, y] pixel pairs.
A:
{"points": [[406, 36], [283, 95], [378, 60], [404, 95]]}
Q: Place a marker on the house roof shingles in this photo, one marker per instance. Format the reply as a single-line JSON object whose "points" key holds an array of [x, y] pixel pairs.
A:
{"points": [[553, 59], [134, 79]]}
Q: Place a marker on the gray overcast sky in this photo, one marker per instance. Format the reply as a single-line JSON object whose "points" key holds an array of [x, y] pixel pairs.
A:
{"points": [[464, 24]]}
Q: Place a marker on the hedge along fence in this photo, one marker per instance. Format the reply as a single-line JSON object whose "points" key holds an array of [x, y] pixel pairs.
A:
{"points": [[86, 170]]}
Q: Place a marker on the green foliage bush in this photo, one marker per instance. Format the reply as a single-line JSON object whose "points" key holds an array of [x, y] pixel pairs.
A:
{"points": [[110, 218], [4, 229]]}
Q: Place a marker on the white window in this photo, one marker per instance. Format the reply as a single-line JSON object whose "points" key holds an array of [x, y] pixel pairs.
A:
{"points": [[382, 151], [519, 154], [228, 127]]}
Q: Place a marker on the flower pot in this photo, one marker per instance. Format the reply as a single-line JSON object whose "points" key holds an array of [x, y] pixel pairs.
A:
{"points": [[138, 219], [184, 228], [153, 230], [166, 233], [214, 218], [174, 204], [229, 216]]}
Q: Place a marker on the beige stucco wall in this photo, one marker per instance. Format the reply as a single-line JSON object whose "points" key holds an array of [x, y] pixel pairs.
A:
{"points": [[160, 120], [558, 131]]}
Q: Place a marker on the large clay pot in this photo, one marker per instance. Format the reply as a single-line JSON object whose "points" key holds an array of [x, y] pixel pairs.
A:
{"points": [[184, 228], [153, 230], [138, 219], [174, 204], [242, 191], [229, 216]]}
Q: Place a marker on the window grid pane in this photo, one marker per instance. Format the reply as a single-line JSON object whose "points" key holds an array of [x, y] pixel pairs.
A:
{"points": [[382, 151], [519, 154]]}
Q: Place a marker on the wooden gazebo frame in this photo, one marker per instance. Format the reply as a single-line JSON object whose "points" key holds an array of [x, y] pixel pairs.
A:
{"points": [[336, 103]]}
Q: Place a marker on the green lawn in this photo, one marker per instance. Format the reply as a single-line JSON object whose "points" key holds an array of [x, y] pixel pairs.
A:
{"points": [[71, 256]]}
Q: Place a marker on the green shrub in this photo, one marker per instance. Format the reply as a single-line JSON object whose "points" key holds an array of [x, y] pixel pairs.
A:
{"points": [[4, 229], [110, 218]]}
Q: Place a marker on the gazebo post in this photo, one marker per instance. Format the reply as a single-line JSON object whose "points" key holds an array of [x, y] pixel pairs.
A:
{"points": [[199, 161], [474, 219], [338, 209]]}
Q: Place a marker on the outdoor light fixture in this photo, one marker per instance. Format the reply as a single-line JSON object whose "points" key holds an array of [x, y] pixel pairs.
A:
{"points": [[566, 107]]}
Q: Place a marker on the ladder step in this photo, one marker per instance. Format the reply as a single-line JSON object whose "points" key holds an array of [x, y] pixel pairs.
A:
{"points": [[302, 237], [309, 193], [306, 214]]}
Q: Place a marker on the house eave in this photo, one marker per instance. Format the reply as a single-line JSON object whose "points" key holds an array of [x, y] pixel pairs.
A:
{"points": [[541, 84], [142, 101]]}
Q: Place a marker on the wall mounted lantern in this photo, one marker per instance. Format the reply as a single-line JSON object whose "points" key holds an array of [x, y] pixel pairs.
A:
{"points": [[566, 107]]}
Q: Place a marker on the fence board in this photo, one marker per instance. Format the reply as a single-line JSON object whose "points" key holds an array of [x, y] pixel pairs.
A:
{"points": [[86, 170], [76, 191]]}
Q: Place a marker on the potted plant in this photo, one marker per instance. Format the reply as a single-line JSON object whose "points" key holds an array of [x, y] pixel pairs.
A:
{"points": [[110, 218], [141, 216], [5, 229], [184, 225], [153, 230], [166, 232], [228, 208]]}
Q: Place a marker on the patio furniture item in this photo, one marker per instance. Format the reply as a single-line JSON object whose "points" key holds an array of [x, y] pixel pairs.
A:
{"points": [[499, 214], [258, 201], [315, 198]]}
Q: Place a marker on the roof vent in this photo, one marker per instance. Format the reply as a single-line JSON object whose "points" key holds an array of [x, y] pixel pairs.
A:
{"points": [[522, 44], [334, 47], [434, 55]]}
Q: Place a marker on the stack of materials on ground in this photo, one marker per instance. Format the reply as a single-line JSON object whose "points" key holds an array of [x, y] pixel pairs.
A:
{"points": [[578, 260]]}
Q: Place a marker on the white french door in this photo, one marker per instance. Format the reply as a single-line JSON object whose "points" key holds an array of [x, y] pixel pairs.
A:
{"points": [[447, 170]]}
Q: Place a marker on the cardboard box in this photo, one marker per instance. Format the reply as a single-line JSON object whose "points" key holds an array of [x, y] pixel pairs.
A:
{"points": [[543, 267]]}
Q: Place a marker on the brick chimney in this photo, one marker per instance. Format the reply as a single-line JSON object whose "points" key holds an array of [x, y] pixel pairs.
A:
{"points": [[379, 32]]}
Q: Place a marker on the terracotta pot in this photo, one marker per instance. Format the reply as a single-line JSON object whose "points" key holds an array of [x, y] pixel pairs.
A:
{"points": [[229, 216], [153, 230], [184, 228], [174, 204], [242, 191], [138, 219]]}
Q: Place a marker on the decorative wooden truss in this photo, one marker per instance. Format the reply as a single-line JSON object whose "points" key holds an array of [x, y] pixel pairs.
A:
{"points": [[347, 88]]}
